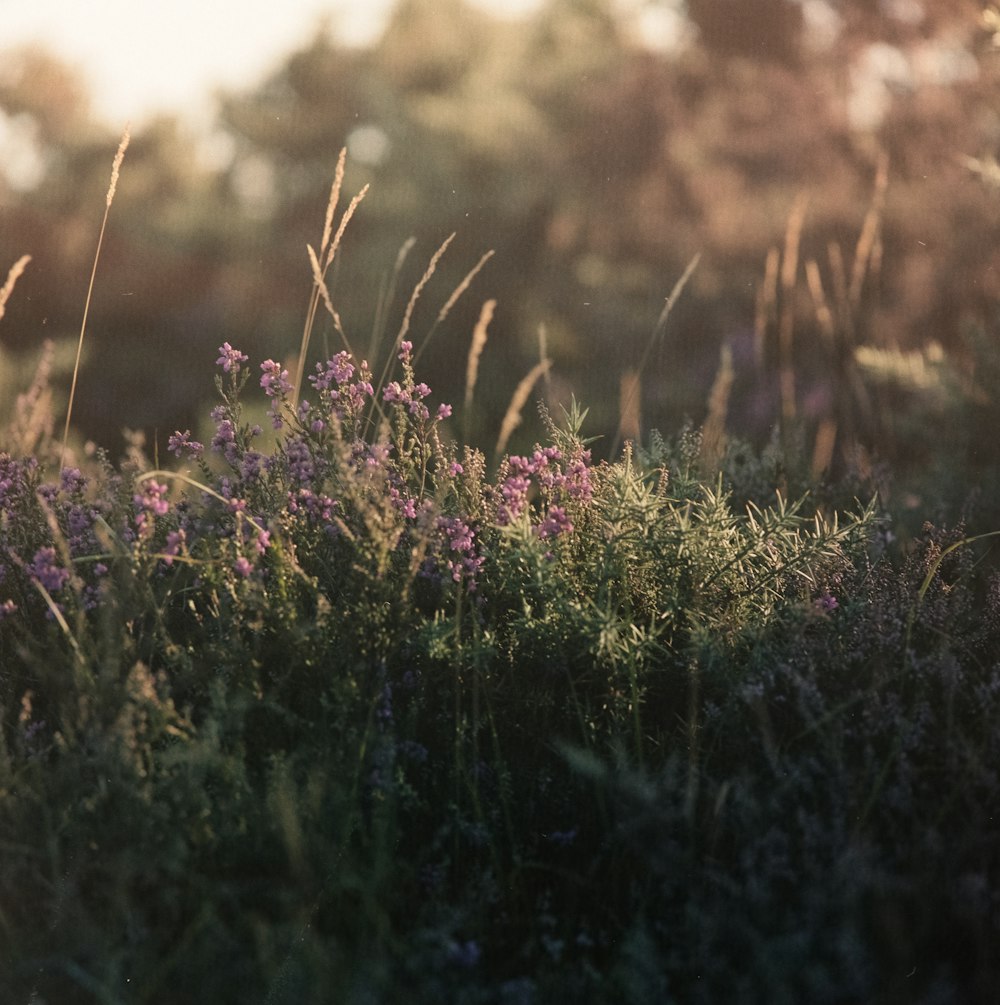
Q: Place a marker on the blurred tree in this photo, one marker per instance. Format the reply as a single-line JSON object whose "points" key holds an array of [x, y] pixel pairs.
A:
{"points": [[758, 29], [156, 307], [595, 158]]}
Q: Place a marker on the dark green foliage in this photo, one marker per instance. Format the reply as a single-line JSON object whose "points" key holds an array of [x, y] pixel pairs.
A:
{"points": [[399, 730]]}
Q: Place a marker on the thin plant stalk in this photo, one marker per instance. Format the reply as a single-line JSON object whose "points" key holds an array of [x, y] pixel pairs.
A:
{"points": [[451, 301], [13, 275], [115, 168], [479, 336], [512, 418], [658, 329]]}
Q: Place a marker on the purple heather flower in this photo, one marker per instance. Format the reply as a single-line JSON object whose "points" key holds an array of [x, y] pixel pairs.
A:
{"points": [[301, 463], [444, 411], [338, 370], [242, 567], [825, 603], [318, 508], [274, 380], [79, 520], [377, 455], [225, 436], [180, 442], [555, 523], [71, 480], [405, 351], [175, 541], [251, 464], [393, 392], [151, 499], [44, 568], [230, 358]]}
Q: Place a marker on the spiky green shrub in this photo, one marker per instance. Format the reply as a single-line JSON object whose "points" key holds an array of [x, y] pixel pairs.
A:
{"points": [[336, 713]]}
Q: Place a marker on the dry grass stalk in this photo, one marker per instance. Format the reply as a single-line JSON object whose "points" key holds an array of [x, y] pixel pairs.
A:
{"points": [[112, 188], [451, 301], [419, 288], [15, 273], [661, 321], [462, 287], [629, 405], [479, 335], [344, 221], [713, 437], [320, 290], [331, 204], [543, 353], [661, 324], [826, 439], [116, 167], [786, 323], [767, 305], [404, 328], [512, 418], [868, 239], [824, 316], [324, 292], [32, 422], [386, 294]]}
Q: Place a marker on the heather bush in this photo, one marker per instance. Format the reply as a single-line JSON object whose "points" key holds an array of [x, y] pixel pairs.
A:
{"points": [[344, 710]]}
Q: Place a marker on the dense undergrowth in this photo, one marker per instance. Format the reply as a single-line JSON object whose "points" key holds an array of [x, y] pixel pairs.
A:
{"points": [[341, 713]]}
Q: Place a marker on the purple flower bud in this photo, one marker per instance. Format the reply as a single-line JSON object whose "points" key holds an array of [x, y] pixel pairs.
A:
{"points": [[230, 358]]}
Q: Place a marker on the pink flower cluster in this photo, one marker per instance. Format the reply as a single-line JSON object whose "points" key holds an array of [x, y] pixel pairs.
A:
{"points": [[459, 547], [339, 392], [557, 480]]}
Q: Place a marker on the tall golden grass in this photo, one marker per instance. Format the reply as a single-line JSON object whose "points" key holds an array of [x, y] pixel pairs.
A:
{"points": [[112, 188], [320, 263], [15, 273]]}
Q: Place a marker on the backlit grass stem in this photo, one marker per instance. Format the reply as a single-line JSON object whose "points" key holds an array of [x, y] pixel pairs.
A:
{"points": [[115, 168]]}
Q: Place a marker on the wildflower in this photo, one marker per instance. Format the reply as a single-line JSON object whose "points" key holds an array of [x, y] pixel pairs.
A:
{"points": [[224, 439], [444, 411], [45, 570], [460, 560], [455, 469], [230, 358], [393, 392], [405, 351], [151, 499], [71, 480], [242, 567], [251, 464], [274, 380], [555, 523], [175, 541], [80, 521], [825, 603], [338, 370], [180, 442], [300, 460]]}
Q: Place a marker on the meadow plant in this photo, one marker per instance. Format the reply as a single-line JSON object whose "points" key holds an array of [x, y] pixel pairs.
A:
{"points": [[330, 712]]}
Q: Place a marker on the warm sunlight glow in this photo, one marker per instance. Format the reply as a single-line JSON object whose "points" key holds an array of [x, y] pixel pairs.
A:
{"points": [[142, 57]]}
